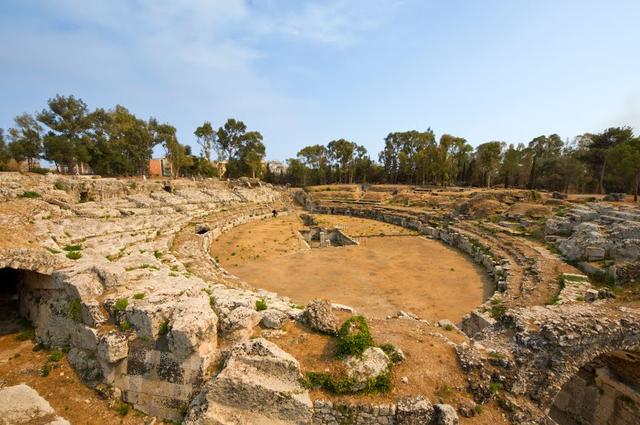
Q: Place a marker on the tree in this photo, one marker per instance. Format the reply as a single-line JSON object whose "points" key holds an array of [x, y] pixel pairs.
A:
{"points": [[230, 137], [450, 152], [4, 154], [543, 148], [598, 148], [26, 140], [251, 153], [513, 164], [488, 157], [206, 138], [341, 153], [165, 135], [315, 158], [295, 172], [625, 161], [409, 156], [65, 143], [119, 143]]}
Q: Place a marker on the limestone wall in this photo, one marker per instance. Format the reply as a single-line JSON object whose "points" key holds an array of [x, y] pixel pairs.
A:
{"points": [[407, 411]]}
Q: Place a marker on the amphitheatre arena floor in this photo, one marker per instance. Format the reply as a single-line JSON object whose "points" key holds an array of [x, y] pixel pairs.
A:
{"points": [[392, 269]]}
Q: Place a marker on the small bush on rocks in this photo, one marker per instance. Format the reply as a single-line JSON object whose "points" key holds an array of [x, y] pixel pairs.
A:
{"points": [[261, 304], [74, 255], [30, 195], [121, 304], [74, 310], [164, 328], [395, 355], [354, 337], [497, 311], [56, 356], [124, 326]]}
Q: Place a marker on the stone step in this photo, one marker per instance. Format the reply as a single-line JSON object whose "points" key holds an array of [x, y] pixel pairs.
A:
{"points": [[220, 414], [245, 387]]}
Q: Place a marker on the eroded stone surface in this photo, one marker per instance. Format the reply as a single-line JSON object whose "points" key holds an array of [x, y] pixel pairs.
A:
{"points": [[22, 405]]}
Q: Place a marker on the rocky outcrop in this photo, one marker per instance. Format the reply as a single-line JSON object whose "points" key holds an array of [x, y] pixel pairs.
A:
{"points": [[257, 379], [320, 317], [370, 365], [22, 405]]}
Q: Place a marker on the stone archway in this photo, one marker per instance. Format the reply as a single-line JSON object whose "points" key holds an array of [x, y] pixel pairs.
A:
{"points": [[24, 274], [605, 391], [18, 289]]}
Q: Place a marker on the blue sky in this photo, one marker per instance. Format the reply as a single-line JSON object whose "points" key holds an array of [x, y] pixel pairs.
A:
{"points": [[307, 72]]}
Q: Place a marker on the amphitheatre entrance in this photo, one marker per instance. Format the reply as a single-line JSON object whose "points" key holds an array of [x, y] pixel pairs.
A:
{"points": [[386, 269], [15, 283]]}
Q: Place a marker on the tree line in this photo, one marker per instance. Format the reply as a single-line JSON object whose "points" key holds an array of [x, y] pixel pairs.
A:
{"points": [[608, 161], [114, 142]]}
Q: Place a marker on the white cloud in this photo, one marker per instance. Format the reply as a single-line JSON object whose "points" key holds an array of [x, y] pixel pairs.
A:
{"points": [[182, 61]]}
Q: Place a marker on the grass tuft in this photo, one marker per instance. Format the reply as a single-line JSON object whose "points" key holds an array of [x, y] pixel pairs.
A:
{"points": [[30, 195], [121, 304], [261, 304]]}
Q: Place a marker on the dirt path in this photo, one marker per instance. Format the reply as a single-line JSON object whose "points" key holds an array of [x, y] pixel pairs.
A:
{"points": [[381, 276], [62, 388]]}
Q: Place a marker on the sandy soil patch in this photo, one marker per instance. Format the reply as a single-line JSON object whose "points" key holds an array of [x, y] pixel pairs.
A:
{"points": [[431, 364], [382, 275], [63, 389]]}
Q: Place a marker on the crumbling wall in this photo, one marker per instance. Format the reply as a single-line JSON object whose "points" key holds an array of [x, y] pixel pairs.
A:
{"points": [[597, 395]]}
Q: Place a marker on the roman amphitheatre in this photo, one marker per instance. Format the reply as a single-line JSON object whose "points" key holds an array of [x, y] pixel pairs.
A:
{"points": [[241, 302]]}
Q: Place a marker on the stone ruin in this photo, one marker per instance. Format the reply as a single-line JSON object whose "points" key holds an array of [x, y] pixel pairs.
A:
{"points": [[320, 237], [603, 239], [119, 272]]}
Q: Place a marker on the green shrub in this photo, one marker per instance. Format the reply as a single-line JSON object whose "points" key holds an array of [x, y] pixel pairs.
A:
{"points": [[74, 255], [123, 409], [354, 337], [138, 295], [346, 385], [45, 370], [157, 254], [59, 185], [394, 354], [121, 304], [56, 356], [72, 247], [164, 328], [261, 304], [497, 311], [74, 310], [39, 170], [495, 387], [29, 194], [26, 334], [124, 325]]}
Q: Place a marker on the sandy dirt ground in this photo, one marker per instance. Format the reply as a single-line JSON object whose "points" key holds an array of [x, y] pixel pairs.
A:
{"points": [[381, 276], [62, 388], [431, 364]]}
